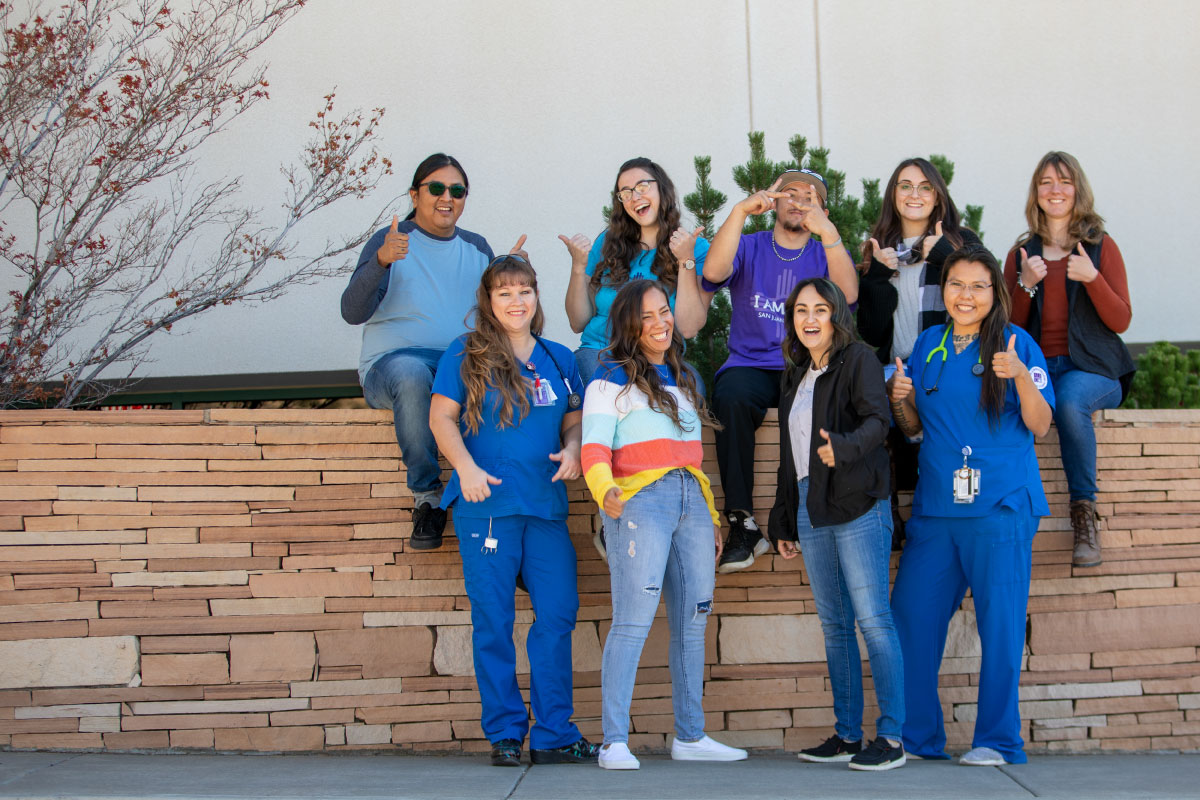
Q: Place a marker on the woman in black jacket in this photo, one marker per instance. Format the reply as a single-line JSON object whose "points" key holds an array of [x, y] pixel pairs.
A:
{"points": [[832, 502]]}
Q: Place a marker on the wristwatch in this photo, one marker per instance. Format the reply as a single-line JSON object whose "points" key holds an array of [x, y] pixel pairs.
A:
{"points": [[689, 264]]}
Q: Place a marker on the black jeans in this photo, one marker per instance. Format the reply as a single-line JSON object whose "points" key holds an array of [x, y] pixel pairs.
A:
{"points": [[741, 397]]}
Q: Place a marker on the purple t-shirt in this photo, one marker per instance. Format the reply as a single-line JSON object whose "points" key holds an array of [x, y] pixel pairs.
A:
{"points": [[758, 289]]}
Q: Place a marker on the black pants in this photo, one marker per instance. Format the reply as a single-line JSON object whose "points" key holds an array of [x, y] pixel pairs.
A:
{"points": [[741, 397]]}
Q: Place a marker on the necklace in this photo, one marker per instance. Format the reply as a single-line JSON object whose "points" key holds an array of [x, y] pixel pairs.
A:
{"points": [[793, 258]]}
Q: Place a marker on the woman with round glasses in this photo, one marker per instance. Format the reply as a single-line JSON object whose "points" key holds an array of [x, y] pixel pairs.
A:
{"points": [[643, 240], [642, 456], [506, 412], [831, 502], [899, 294], [1069, 290], [977, 388]]}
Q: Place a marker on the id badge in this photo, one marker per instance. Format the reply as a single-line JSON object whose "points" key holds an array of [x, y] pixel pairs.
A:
{"points": [[543, 392], [966, 481]]}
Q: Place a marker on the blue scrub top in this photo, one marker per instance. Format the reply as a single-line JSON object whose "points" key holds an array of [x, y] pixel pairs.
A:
{"points": [[952, 418], [595, 333], [519, 454]]}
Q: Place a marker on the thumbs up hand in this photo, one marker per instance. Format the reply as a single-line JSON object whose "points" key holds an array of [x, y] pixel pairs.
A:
{"points": [[900, 386], [1006, 363], [578, 246], [929, 241], [1080, 267], [825, 451], [1032, 270], [885, 255], [683, 244], [394, 247]]}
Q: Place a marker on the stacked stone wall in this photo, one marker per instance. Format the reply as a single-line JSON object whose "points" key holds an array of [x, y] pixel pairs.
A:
{"points": [[240, 580]]}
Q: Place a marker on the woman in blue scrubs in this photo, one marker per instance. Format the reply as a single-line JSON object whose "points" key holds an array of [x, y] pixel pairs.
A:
{"points": [[978, 389], [507, 414]]}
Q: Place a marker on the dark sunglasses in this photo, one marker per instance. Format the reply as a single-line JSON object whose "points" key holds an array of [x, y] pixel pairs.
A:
{"points": [[437, 189]]}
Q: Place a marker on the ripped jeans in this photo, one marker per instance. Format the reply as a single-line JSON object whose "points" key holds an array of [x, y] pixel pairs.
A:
{"points": [[662, 545]]}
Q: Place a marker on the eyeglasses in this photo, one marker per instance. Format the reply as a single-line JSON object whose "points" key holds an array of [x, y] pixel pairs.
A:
{"points": [[958, 287], [437, 189], [507, 257], [640, 188], [923, 190]]}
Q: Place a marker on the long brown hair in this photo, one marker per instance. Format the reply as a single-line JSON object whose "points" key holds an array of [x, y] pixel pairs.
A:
{"points": [[1086, 225], [625, 319], [991, 330], [887, 229], [844, 332], [488, 358], [623, 239]]}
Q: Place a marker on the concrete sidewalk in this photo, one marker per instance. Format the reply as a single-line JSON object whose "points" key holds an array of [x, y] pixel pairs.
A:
{"points": [[399, 777]]}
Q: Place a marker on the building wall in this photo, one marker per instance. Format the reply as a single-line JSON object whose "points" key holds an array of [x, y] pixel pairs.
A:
{"points": [[542, 100], [241, 580]]}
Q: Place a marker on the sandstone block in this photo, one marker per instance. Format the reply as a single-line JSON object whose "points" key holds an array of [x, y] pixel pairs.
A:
{"points": [[368, 734], [232, 577], [48, 612], [771, 639], [219, 706], [1113, 629], [345, 688], [94, 661], [284, 656], [420, 732], [382, 652], [311, 584], [190, 669], [758, 720], [335, 735], [99, 724], [270, 739], [73, 710], [136, 740], [192, 739], [267, 605]]}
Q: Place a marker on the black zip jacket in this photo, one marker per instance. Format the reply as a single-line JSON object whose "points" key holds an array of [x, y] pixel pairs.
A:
{"points": [[850, 403]]}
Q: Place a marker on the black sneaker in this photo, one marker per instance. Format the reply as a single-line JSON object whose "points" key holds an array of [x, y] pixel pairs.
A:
{"points": [[744, 544], [506, 753], [879, 755], [428, 524], [832, 749], [581, 752]]}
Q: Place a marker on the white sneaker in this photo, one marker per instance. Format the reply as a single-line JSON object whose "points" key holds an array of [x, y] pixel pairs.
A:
{"points": [[981, 757], [617, 756], [705, 750]]}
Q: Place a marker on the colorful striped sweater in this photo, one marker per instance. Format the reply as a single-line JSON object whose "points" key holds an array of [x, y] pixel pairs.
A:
{"points": [[628, 445]]}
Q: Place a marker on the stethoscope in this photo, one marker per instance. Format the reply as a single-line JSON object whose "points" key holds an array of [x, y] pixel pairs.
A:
{"points": [[976, 368], [574, 400]]}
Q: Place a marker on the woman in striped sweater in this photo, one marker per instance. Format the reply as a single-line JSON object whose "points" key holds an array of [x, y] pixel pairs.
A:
{"points": [[641, 458]]}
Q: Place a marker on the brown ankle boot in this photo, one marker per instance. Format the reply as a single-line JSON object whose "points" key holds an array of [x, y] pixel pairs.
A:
{"points": [[1087, 536]]}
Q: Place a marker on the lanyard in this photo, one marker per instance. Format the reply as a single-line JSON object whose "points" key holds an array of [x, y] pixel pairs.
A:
{"points": [[574, 401]]}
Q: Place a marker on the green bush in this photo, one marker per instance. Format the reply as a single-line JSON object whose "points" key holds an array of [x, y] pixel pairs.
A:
{"points": [[1166, 378]]}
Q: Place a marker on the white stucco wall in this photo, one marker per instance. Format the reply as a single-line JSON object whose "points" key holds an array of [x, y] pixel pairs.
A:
{"points": [[541, 100]]}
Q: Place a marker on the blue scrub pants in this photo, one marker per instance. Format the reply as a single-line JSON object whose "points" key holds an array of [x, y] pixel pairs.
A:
{"points": [[943, 556], [541, 551]]}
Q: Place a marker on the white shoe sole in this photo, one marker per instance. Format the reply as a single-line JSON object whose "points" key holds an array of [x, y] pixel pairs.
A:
{"points": [[709, 755], [824, 760], [760, 547], [619, 764], [899, 762]]}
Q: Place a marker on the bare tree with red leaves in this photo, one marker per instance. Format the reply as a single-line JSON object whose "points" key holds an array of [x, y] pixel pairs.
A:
{"points": [[105, 105]]}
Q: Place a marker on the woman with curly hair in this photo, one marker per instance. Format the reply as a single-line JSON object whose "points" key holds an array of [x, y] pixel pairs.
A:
{"points": [[641, 458], [643, 240], [1069, 289], [505, 413]]}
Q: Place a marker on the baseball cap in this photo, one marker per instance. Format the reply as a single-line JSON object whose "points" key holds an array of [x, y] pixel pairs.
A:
{"points": [[788, 177]]}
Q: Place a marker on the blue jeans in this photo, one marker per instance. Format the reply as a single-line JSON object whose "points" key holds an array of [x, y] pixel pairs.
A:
{"points": [[540, 551], [847, 566], [662, 544], [402, 381], [1077, 394]]}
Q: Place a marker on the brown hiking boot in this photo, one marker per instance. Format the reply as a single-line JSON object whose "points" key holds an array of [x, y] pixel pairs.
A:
{"points": [[1087, 536]]}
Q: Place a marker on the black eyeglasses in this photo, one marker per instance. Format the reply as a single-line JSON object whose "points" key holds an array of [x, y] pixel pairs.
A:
{"points": [[437, 189]]}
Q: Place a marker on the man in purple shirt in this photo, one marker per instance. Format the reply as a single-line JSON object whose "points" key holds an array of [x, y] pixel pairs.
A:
{"points": [[760, 270]]}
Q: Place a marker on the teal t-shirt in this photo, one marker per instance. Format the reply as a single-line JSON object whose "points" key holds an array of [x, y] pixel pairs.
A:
{"points": [[595, 333]]}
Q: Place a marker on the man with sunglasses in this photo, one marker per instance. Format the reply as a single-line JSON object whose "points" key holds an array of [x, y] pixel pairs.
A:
{"points": [[413, 287], [760, 270]]}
